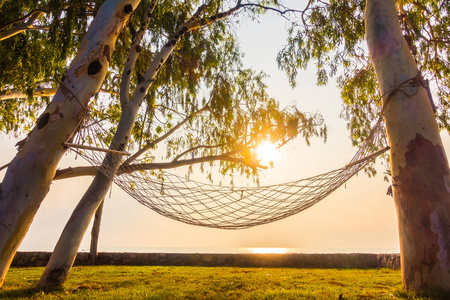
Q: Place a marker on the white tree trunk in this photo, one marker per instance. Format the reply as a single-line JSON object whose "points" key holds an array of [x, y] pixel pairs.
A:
{"points": [[29, 175], [418, 162], [65, 251]]}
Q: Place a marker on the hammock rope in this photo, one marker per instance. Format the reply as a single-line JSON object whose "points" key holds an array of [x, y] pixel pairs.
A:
{"points": [[209, 205], [225, 207]]}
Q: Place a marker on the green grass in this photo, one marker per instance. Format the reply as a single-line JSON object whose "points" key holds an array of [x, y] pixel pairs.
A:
{"points": [[126, 282]]}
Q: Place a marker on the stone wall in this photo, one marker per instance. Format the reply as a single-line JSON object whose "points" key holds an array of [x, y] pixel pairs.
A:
{"points": [[360, 261]]}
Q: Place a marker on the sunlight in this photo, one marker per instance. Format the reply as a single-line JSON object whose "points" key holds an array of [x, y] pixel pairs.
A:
{"points": [[268, 250], [267, 152]]}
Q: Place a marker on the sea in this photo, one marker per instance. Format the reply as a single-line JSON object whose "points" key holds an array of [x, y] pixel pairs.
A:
{"points": [[255, 250]]}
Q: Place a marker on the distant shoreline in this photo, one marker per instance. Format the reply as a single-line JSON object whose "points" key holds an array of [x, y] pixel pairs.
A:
{"points": [[235, 250], [287, 260]]}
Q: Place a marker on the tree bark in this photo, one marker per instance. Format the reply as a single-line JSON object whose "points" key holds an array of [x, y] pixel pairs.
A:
{"points": [[95, 232], [419, 165], [66, 249], [31, 172]]}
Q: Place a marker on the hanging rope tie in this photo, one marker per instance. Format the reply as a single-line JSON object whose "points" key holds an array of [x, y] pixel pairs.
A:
{"points": [[414, 83]]}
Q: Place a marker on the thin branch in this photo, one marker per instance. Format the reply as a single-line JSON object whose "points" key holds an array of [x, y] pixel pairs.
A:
{"points": [[281, 12], [303, 14], [170, 109], [18, 94], [147, 80], [33, 12], [75, 172], [186, 162], [126, 169], [135, 49], [159, 59], [25, 26], [4, 166], [440, 41], [79, 146], [196, 148], [39, 92], [151, 144]]}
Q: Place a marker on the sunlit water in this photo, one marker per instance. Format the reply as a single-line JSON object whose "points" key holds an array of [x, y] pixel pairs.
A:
{"points": [[247, 250]]}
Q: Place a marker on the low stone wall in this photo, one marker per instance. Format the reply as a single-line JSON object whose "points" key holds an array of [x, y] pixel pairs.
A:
{"points": [[360, 261]]}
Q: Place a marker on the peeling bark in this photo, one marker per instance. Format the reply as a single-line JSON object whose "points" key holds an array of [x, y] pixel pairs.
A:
{"points": [[419, 165], [422, 195]]}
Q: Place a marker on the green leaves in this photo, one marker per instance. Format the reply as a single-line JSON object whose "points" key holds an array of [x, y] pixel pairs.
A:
{"points": [[332, 36], [227, 108], [36, 58]]}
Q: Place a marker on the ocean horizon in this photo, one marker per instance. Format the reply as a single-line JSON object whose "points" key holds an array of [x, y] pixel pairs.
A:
{"points": [[243, 250]]}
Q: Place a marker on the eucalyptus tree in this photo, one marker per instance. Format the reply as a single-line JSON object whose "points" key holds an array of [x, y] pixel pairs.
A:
{"points": [[30, 64], [419, 166], [405, 46], [30, 173], [225, 125], [333, 35]]}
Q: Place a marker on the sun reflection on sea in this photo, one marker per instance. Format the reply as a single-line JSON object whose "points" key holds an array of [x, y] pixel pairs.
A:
{"points": [[268, 250]]}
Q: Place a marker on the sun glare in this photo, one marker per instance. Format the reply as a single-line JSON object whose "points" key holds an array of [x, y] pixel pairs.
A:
{"points": [[267, 152], [269, 250]]}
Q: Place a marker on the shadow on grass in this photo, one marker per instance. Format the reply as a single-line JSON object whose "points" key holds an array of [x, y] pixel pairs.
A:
{"points": [[432, 294], [435, 294], [29, 292]]}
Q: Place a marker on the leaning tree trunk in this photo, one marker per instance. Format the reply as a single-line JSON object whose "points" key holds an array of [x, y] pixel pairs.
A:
{"points": [[30, 173], [418, 162], [65, 251]]}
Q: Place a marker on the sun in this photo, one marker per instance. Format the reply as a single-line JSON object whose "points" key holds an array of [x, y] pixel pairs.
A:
{"points": [[267, 152], [269, 250]]}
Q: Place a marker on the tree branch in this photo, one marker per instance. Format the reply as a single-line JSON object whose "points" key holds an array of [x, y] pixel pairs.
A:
{"points": [[151, 144], [135, 49], [193, 23], [39, 92], [26, 25], [75, 172], [195, 148], [18, 94], [187, 162], [33, 12], [126, 169], [281, 12]]}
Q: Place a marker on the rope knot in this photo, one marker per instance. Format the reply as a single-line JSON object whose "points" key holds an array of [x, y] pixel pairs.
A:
{"points": [[414, 82]]}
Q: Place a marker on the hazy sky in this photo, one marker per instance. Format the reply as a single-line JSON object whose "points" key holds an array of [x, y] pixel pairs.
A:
{"points": [[359, 216]]}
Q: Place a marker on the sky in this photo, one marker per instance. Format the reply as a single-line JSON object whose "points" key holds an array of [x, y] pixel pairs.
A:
{"points": [[358, 217]]}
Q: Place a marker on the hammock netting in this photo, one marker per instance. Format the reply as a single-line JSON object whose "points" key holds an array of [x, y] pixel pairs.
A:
{"points": [[224, 207]]}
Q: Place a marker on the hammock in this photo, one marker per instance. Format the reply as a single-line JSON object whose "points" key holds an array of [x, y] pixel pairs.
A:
{"points": [[214, 206]]}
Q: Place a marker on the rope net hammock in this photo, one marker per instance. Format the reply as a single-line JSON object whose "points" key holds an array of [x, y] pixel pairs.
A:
{"points": [[224, 207]]}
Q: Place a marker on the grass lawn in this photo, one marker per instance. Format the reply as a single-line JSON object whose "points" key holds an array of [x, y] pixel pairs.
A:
{"points": [[128, 282]]}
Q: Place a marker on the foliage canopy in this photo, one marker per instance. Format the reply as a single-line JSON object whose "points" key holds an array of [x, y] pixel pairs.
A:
{"points": [[332, 35], [227, 108]]}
